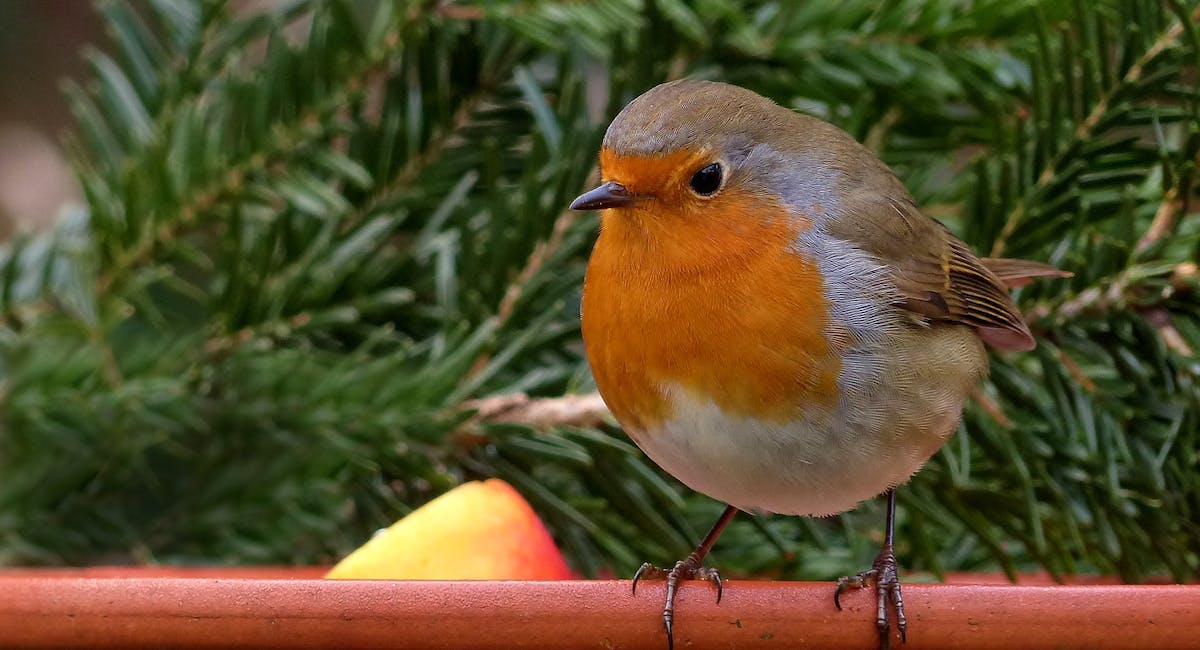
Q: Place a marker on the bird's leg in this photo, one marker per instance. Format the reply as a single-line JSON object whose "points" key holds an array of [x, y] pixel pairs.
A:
{"points": [[884, 575], [688, 569]]}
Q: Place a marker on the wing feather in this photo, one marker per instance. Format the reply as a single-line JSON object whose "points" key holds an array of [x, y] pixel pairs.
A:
{"points": [[937, 276]]}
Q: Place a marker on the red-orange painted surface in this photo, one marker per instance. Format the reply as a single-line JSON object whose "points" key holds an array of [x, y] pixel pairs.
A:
{"points": [[256, 613]]}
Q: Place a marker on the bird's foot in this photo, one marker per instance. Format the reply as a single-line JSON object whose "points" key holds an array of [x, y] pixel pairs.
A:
{"points": [[884, 575], [688, 569]]}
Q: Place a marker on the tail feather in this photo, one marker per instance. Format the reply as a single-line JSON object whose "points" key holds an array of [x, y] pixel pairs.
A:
{"points": [[1018, 273]]}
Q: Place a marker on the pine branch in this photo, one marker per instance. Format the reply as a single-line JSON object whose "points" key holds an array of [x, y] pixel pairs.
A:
{"points": [[325, 273], [1086, 129]]}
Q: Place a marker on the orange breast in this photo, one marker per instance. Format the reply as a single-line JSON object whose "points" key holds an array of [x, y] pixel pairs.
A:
{"points": [[712, 299]]}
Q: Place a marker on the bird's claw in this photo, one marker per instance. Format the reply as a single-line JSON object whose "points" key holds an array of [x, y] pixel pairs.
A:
{"points": [[885, 576], [688, 569]]}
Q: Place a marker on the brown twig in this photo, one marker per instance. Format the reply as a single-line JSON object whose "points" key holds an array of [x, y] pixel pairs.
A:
{"points": [[1175, 203], [1165, 219], [544, 413], [878, 131], [1160, 319], [991, 407], [1184, 276], [1076, 372], [1098, 298], [1088, 300], [459, 12]]}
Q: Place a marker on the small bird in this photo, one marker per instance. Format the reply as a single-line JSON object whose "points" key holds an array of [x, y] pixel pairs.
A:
{"points": [[773, 320]]}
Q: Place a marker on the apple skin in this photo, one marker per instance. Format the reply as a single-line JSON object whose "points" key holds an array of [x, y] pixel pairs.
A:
{"points": [[481, 530]]}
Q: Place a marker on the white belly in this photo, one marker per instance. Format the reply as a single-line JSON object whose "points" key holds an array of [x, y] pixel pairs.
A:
{"points": [[821, 463]]}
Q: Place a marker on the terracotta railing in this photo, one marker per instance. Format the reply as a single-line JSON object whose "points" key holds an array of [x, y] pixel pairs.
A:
{"points": [[267, 608]]}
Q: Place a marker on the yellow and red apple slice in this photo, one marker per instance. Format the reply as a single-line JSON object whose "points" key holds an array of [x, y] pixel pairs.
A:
{"points": [[481, 530]]}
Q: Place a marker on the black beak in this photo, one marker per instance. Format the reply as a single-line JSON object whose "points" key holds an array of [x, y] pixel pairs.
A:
{"points": [[608, 195]]}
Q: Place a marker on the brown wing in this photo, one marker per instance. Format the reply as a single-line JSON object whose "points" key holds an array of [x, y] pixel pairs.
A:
{"points": [[938, 276], [963, 290]]}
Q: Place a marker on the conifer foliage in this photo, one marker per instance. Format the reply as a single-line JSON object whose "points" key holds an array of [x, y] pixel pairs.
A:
{"points": [[314, 237]]}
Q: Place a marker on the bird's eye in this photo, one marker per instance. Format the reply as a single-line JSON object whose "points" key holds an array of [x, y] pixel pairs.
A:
{"points": [[707, 181]]}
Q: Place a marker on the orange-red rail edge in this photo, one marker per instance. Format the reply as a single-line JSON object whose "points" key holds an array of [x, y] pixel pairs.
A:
{"points": [[259, 609]]}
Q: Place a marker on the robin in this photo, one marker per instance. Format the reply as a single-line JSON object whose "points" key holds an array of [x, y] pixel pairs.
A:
{"points": [[772, 319]]}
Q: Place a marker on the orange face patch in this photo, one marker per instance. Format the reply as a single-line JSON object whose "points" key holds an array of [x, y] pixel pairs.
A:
{"points": [[705, 294], [645, 175]]}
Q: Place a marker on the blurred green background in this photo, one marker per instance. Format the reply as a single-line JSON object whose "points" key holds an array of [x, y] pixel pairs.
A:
{"points": [[40, 47], [302, 239]]}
